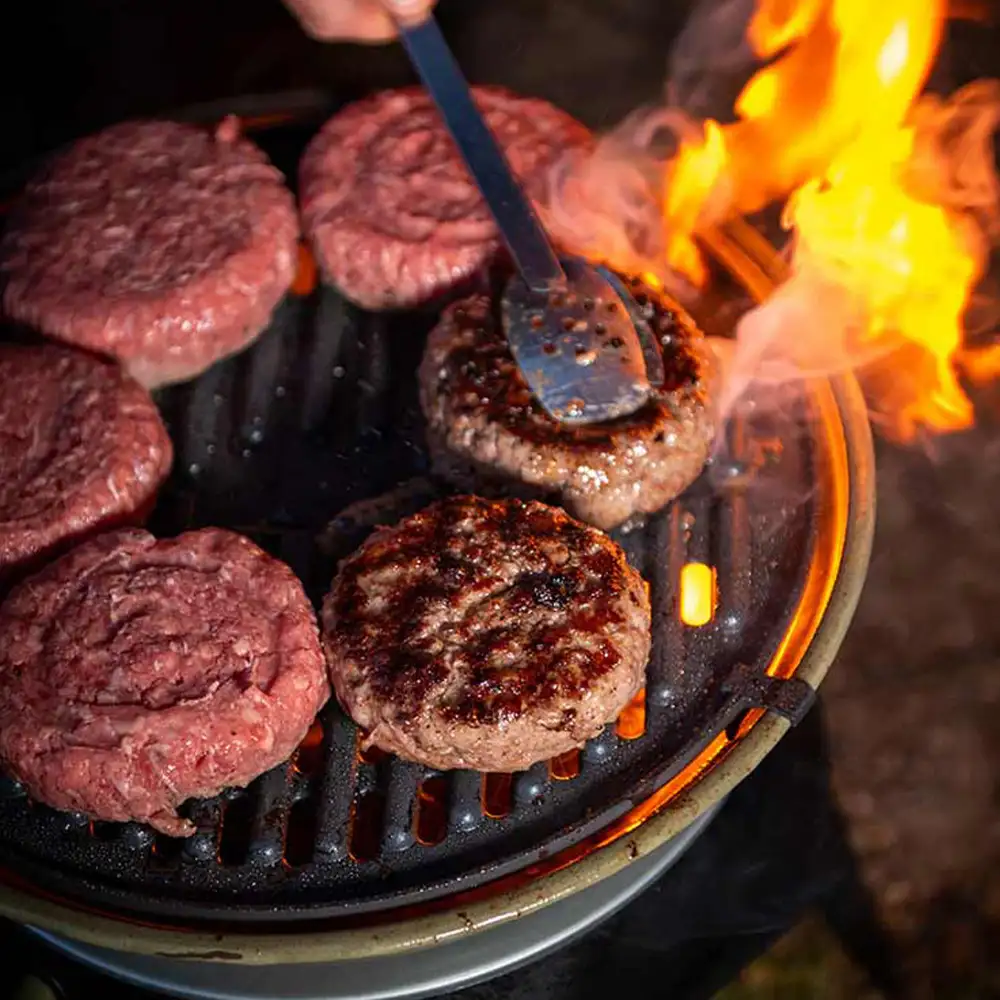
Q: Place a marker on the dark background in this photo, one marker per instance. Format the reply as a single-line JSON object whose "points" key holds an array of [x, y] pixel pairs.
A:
{"points": [[76, 66], [71, 66]]}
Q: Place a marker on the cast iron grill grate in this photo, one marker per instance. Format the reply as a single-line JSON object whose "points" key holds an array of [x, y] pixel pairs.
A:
{"points": [[321, 417]]}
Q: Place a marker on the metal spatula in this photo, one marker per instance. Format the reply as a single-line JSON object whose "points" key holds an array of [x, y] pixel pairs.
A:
{"points": [[573, 328]]}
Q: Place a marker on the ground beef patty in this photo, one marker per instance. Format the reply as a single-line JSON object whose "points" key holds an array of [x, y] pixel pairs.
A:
{"points": [[391, 210], [164, 245], [82, 449], [136, 673], [486, 635], [486, 430]]}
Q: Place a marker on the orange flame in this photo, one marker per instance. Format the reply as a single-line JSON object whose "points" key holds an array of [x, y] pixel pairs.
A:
{"points": [[831, 123], [840, 70], [893, 202]]}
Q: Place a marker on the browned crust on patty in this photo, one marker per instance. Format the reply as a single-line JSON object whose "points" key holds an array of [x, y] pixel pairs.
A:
{"points": [[485, 426], [486, 635], [162, 244], [82, 447], [137, 673]]}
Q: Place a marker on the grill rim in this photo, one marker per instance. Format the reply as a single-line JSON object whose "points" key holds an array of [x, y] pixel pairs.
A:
{"points": [[845, 420]]}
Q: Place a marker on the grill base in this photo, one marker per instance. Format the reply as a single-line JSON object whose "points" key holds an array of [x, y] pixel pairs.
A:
{"points": [[443, 969]]}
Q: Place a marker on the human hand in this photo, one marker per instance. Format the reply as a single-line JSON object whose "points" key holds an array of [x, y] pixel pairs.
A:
{"points": [[370, 21]]}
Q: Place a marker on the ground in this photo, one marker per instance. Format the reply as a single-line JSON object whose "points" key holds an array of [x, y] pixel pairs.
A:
{"points": [[912, 706]]}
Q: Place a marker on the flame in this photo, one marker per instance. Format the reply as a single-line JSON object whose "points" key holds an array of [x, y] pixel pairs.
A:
{"points": [[892, 201], [832, 124]]}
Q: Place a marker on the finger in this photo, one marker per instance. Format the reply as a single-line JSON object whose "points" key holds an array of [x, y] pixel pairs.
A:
{"points": [[344, 20], [409, 12]]}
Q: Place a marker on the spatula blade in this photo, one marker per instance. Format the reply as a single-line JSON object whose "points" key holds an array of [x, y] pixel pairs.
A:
{"points": [[579, 349]]}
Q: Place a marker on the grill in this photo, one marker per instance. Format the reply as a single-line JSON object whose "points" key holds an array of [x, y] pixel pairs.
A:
{"points": [[305, 442]]}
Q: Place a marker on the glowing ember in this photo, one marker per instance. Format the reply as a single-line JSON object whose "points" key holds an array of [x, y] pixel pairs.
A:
{"points": [[697, 594], [892, 202]]}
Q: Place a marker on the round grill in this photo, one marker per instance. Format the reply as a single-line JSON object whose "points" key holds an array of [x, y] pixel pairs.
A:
{"points": [[304, 443]]}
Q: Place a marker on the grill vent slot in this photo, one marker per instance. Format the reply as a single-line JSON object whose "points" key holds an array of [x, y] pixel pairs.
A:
{"points": [[432, 811], [366, 826], [496, 795], [566, 766], [632, 722]]}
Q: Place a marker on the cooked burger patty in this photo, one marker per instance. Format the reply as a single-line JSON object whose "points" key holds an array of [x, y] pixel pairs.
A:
{"points": [[390, 208], [136, 673], [164, 245], [82, 449], [485, 428], [486, 635]]}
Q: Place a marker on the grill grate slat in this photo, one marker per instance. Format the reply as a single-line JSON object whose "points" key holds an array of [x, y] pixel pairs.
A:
{"points": [[665, 553], [267, 833], [531, 787], [401, 784], [732, 541], [334, 800], [465, 812]]}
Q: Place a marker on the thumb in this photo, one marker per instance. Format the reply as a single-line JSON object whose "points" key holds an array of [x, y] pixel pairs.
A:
{"points": [[409, 12]]}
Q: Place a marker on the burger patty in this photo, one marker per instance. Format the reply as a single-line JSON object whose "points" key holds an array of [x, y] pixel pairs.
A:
{"points": [[486, 635], [391, 210], [82, 449], [485, 428], [164, 245], [136, 673]]}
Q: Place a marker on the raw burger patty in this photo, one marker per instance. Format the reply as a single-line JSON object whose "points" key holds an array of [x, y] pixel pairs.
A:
{"points": [[82, 448], [486, 635], [485, 429], [136, 673], [164, 245], [388, 204]]}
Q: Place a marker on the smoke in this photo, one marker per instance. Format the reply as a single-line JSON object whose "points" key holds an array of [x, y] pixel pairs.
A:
{"points": [[606, 204]]}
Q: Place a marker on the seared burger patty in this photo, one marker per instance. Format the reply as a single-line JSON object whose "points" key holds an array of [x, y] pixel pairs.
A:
{"points": [[389, 205], [486, 635], [486, 429], [136, 673], [82, 449], [164, 245]]}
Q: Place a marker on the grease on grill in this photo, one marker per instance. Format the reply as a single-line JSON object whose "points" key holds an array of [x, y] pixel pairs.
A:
{"points": [[632, 722], [104, 831], [431, 821]]}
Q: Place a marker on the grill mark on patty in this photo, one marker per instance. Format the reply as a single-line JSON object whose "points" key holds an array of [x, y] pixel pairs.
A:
{"points": [[481, 377], [536, 581]]}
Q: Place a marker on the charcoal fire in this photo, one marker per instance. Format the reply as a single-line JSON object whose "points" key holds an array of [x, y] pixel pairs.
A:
{"points": [[891, 201]]}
